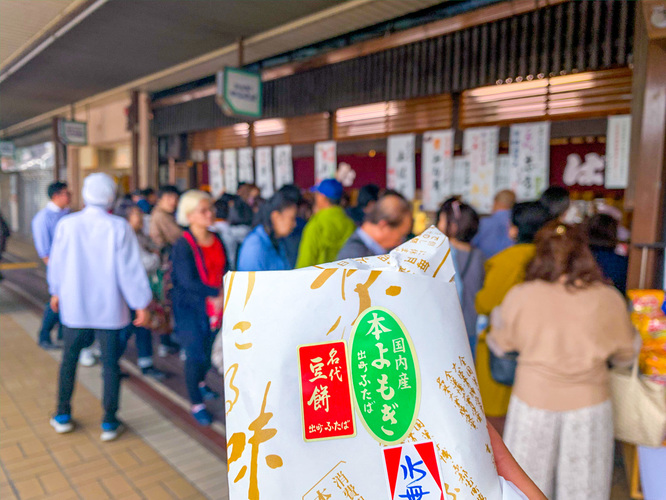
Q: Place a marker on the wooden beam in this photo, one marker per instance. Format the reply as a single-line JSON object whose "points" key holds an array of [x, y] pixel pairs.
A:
{"points": [[446, 26], [460, 22], [646, 193]]}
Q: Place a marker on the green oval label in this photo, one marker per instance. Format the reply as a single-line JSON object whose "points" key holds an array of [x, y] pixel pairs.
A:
{"points": [[385, 375]]}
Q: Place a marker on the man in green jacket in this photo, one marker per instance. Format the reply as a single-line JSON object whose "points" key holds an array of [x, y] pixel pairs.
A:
{"points": [[328, 229]]}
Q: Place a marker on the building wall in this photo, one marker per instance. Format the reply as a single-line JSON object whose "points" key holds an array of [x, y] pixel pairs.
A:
{"points": [[562, 39]]}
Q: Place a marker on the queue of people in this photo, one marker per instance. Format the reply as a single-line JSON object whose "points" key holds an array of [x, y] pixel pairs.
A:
{"points": [[516, 271]]}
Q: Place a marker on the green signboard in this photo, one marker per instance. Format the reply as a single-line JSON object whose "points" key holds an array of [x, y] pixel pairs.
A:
{"points": [[239, 92], [71, 132]]}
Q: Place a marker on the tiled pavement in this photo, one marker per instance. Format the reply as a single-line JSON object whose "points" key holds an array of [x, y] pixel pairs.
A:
{"points": [[154, 459]]}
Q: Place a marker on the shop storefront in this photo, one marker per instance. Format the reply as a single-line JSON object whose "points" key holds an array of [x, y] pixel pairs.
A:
{"points": [[23, 185], [494, 74]]}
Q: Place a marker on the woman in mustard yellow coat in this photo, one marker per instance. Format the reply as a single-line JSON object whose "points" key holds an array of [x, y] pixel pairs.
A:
{"points": [[503, 271]]}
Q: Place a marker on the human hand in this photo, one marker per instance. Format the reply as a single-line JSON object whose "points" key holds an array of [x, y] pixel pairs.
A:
{"points": [[55, 303], [218, 302], [142, 317], [508, 468]]}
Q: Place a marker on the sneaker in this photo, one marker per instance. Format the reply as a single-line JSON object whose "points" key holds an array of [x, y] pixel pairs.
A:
{"points": [[207, 393], [165, 350], [111, 430], [62, 423], [151, 371], [49, 346], [86, 358], [183, 355], [96, 349], [203, 417]]}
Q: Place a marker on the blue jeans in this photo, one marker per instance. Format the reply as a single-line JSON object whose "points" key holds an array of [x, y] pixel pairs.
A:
{"points": [[144, 344], [50, 320], [197, 365]]}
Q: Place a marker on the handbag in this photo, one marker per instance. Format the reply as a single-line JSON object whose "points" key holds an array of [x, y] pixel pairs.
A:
{"points": [[503, 369], [639, 408]]}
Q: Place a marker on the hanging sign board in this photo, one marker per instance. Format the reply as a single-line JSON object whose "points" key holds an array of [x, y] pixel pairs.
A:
{"points": [[529, 149], [618, 139], [239, 92], [264, 171], [215, 173], [503, 173], [326, 160], [481, 145], [400, 166], [74, 133], [284, 168], [461, 178], [245, 165], [6, 155], [437, 168], [230, 171], [7, 149]]}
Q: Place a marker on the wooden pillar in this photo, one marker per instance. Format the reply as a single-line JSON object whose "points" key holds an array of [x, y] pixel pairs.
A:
{"points": [[57, 151], [133, 126], [74, 175], [147, 174], [646, 191]]}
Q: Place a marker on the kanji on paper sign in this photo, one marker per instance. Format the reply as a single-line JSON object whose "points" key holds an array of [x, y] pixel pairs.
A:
{"points": [[325, 391]]}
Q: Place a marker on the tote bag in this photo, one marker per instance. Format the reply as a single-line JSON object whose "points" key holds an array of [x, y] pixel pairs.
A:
{"points": [[639, 408]]}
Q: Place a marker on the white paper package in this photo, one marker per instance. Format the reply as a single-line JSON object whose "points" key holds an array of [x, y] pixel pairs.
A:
{"points": [[332, 370]]}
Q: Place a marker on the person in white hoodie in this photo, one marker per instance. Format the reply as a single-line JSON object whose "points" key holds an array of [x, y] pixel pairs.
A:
{"points": [[96, 277]]}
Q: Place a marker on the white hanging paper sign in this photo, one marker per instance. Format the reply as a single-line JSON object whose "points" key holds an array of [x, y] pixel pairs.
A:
{"points": [[461, 179], [245, 165], [584, 171], [400, 165], [436, 168], [215, 173], [618, 139], [284, 168], [264, 171], [326, 160], [480, 145], [529, 150], [503, 173], [230, 171]]}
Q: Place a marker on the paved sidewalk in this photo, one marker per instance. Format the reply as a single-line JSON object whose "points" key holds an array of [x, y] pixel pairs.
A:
{"points": [[154, 459]]}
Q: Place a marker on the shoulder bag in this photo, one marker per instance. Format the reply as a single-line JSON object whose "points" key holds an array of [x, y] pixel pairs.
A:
{"points": [[639, 407]]}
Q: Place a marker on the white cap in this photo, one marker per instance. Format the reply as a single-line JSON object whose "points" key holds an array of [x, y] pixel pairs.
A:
{"points": [[99, 190]]}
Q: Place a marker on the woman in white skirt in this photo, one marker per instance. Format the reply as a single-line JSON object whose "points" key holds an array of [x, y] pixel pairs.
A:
{"points": [[567, 324]]}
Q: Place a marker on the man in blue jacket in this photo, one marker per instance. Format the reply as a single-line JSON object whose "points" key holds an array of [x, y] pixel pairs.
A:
{"points": [[493, 234], [43, 230]]}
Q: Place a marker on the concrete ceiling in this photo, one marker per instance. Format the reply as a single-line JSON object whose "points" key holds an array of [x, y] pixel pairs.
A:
{"points": [[123, 40], [21, 22]]}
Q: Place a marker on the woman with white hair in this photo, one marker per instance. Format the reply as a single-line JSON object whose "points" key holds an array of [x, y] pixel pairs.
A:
{"points": [[199, 261]]}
